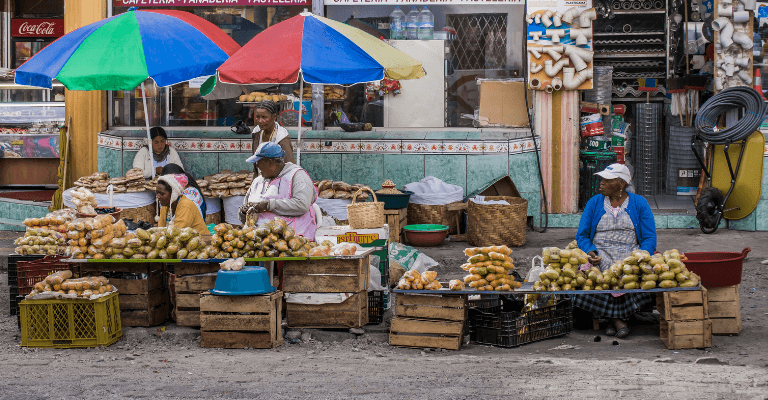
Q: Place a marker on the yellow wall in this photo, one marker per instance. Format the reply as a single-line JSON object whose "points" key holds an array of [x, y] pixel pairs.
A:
{"points": [[87, 110]]}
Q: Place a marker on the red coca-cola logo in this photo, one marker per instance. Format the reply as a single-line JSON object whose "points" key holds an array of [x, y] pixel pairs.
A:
{"points": [[37, 27]]}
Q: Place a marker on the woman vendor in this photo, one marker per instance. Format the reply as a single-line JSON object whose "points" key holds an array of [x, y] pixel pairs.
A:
{"points": [[614, 223], [192, 191], [176, 208], [283, 189], [156, 156], [268, 130]]}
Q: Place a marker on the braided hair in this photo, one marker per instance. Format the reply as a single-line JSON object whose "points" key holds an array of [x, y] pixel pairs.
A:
{"points": [[268, 105]]}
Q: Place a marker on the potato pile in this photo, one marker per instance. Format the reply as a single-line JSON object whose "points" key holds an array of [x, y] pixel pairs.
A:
{"points": [[273, 239], [84, 201], [96, 182], [489, 268], [329, 189], [563, 271], [412, 280], [90, 237], [260, 96], [132, 182], [62, 282], [226, 184], [165, 243], [45, 235]]}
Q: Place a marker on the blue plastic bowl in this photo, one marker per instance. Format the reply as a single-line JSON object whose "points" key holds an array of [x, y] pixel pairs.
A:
{"points": [[246, 282]]}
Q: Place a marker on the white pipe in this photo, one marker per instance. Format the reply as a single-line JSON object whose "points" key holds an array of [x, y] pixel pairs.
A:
{"points": [[718, 48], [552, 70], [555, 34], [578, 63], [570, 14], [557, 19], [554, 51], [725, 10], [535, 68], [549, 89], [586, 18], [741, 17], [571, 81], [546, 18], [536, 51], [740, 7], [537, 18], [742, 62], [744, 40], [728, 69], [557, 83], [585, 54], [582, 35], [749, 4], [536, 35], [720, 23], [529, 18], [535, 83], [744, 75], [719, 83], [726, 31]]}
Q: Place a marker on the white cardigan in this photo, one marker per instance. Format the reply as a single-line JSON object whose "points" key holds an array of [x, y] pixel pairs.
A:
{"points": [[144, 160]]}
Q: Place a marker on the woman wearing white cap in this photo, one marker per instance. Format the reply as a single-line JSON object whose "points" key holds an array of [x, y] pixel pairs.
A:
{"points": [[613, 224]]}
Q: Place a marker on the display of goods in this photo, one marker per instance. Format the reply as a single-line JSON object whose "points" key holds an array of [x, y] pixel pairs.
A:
{"points": [[388, 187], [233, 264], [329, 189], [14, 131], [261, 96], [412, 280], [62, 283], [226, 184], [332, 92], [163, 243], [273, 239], [45, 235], [151, 185], [96, 182], [490, 268], [89, 237], [132, 182], [84, 201]]}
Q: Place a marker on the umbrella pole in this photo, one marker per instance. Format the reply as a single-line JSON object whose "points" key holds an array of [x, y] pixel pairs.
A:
{"points": [[146, 121], [301, 107]]}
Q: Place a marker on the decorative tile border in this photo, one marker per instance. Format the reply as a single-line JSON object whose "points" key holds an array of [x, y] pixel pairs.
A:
{"points": [[422, 147], [381, 146], [110, 142]]}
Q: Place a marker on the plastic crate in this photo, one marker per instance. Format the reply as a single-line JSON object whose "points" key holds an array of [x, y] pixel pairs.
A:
{"points": [[14, 259], [31, 272], [375, 307], [590, 163], [70, 323], [511, 329], [14, 293], [19, 299]]}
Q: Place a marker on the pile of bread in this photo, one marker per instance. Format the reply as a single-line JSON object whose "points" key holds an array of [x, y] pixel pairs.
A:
{"points": [[226, 184], [260, 96], [334, 92], [96, 182], [132, 182], [329, 189]]}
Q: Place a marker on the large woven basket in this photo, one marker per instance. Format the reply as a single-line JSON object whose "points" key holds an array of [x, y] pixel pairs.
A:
{"points": [[428, 214], [497, 224], [366, 215], [146, 213]]}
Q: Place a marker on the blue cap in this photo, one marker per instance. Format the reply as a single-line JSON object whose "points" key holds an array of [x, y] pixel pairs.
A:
{"points": [[266, 150]]}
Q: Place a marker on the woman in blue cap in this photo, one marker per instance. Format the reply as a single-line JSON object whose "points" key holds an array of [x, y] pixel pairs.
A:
{"points": [[283, 189]]}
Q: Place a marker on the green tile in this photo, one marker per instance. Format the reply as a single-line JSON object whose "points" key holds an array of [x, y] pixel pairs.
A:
{"points": [[231, 161], [403, 168], [761, 215], [38, 211], [11, 228], [764, 191], [448, 168], [485, 135], [202, 164], [4, 210], [524, 172], [534, 206], [126, 163], [483, 170], [412, 135], [563, 220], [660, 221], [367, 169], [110, 161], [322, 166], [680, 221], [748, 223], [458, 135]]}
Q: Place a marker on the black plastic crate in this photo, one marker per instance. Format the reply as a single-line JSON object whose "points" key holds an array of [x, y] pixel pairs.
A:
{"points": [[591, 162], [515, 328], [14, 259], [375, 307], [14, 293]]}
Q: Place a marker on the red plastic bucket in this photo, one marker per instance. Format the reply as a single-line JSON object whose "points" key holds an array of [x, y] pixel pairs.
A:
{"points": [[717, 268]]}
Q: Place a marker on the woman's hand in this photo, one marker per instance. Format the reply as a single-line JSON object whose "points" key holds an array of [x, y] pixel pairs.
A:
{"points": [[158, 170], [593, 258], [254, 207]]}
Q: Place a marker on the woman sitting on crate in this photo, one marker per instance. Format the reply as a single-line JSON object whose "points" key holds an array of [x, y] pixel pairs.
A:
{"points": [[176, 208], [614, 223], [192, 191]]}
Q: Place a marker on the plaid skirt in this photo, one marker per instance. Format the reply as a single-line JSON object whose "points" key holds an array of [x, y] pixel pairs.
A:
{"points": [[607, 306]]}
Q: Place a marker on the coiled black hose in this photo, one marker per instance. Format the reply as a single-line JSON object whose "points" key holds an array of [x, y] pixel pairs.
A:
{"points": [[732, 98]]}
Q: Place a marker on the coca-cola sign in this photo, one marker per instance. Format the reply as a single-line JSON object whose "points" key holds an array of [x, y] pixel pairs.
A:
{"points": [[37, 27]]}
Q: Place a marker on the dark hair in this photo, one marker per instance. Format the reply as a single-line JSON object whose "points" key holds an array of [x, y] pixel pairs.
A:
{"points": [[176, 169], [157, 131], [269, 105], [165, 185]]}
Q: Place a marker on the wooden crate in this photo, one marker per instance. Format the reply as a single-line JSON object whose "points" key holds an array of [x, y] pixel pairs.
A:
{"points": [[143, 302], [423, 321], [684, 322], [190, 281], [724, 310], [396, 219], [351, 313], [326, 276], [234, 322]]}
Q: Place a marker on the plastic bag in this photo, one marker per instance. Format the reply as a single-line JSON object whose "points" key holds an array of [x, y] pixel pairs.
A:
{"points": [[433, 191], [533, 274], [409, 258]]}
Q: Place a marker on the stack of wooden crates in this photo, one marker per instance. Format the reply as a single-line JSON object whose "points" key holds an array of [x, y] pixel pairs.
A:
{"points": [[724, 310], [429, 321], [349, 275], [684, 321], [235, 322], [192, 279]]}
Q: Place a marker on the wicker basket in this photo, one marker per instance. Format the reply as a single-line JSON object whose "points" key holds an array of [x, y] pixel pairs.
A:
{"points": [[366, 215], [438, 215], [497, 224], [146, 213]]}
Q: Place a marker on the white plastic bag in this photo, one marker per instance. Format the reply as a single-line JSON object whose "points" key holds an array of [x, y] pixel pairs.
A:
{"points": [[374, 283], [481, 200], [433, 191], [533, 274], [409, 258]]}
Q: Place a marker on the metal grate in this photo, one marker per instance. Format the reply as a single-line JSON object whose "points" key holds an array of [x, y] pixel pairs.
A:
{"points": [[481, 40]]}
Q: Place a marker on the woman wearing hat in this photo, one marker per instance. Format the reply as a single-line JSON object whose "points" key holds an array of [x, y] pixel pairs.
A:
{"points": [[176, 208], [156, 155], [283, 189], [613, 224], [268, 130]]}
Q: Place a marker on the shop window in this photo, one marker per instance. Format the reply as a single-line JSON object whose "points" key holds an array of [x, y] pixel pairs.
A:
{"points": [[481, 41]]}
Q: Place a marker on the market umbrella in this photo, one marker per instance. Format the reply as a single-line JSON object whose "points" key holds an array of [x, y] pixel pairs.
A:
{"points": [[121, 52], [322, 50]]}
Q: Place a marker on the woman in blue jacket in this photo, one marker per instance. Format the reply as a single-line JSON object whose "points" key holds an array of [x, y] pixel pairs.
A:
{"points": [[614, 223]]}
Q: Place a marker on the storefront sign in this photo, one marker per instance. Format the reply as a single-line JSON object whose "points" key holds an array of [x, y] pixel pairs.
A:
{"points": [[37, 27], [204, 3], [418, 2]]}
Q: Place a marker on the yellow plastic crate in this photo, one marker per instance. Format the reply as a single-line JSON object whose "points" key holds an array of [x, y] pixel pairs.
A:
{"points": [[68, 323]]}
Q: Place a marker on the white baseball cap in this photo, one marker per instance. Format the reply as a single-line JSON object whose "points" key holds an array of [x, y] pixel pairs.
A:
{"points": [[616, 171]]}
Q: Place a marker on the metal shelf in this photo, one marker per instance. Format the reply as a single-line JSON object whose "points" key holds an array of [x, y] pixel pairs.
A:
{"points": [[636, 99], [628, 12], [630, 55], [598, 34]]}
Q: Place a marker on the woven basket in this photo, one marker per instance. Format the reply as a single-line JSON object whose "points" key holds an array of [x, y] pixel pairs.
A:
{"points": [[146, 213], [427, 214], [214, 218], [366, 215], [497, 224]]}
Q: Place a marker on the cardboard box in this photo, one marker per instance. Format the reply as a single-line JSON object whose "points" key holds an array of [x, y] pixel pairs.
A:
{"points": [[500, 187], [365, 237], [501, 105]]}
